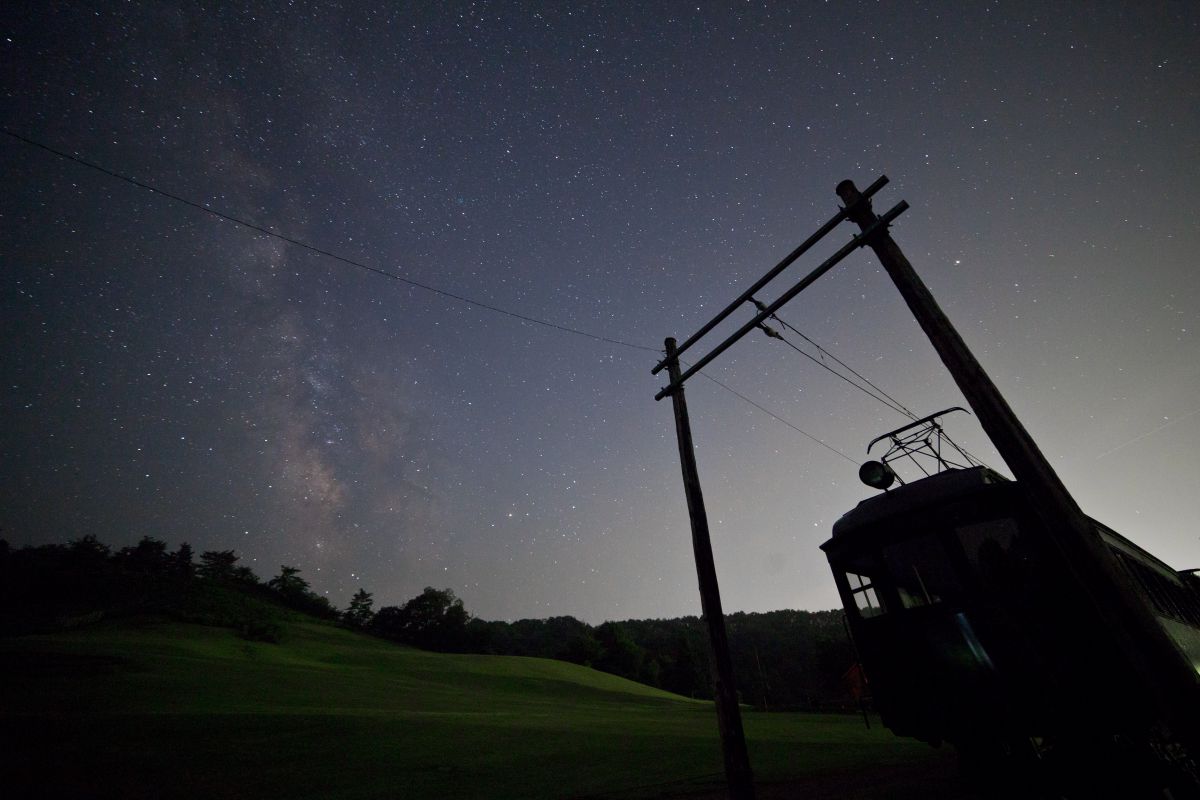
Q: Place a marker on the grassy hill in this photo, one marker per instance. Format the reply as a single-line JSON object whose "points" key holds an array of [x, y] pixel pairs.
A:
{"points": [[156, 708]]}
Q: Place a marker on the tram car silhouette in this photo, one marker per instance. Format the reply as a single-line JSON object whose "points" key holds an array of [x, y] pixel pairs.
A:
{"points": [[969, 629]]}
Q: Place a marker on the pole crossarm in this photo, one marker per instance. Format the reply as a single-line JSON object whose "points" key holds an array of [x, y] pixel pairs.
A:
{"points": [[803, 248], [859, 240]]}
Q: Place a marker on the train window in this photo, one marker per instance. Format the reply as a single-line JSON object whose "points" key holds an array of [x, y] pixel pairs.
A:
{"points": [[921, 570], [866, 599], [1169, 598], [993, 550]]}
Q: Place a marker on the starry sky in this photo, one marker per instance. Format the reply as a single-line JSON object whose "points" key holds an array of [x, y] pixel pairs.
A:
{"points": [[620, 169]]}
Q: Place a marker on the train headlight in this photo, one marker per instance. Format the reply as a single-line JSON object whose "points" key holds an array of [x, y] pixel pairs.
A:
{"points": [[876, 474]]}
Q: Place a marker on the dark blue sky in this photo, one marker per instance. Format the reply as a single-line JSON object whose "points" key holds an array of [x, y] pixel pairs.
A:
{"points": [[620, 169]]}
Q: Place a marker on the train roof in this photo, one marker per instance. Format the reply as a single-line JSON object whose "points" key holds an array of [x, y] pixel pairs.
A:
{"points": [[929, 491], [946, 487]]}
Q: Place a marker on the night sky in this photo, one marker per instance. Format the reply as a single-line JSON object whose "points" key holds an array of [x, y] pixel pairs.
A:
{"points": [[622, 169]]}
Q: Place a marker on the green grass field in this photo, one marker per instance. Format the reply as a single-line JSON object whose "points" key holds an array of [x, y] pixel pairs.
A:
{"points": [[172, 710]]}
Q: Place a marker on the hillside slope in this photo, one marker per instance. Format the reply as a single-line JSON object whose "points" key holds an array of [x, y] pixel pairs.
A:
{"points": [[153, 708]]}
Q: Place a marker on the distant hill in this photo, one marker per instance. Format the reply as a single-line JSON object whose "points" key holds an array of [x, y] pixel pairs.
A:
{"points": [[148, 707], [784, 660], [138, 674]]}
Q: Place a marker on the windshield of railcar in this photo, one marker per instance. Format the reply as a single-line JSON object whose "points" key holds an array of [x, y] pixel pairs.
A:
{"points": [[935, 564], [995, 553], [921, 571]]}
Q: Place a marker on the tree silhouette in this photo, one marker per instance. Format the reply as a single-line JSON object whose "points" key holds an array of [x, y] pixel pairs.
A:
{"points": [[217, 564], [149, 556], [89, 549], [245, 575], [620, 654], [288, 582], [359, 614], [180, 562], [582, 648], [295, 593], [434, 620]]}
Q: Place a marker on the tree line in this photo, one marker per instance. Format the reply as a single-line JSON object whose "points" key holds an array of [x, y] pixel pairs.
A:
{"points": [[793, 660], [65, 585], [784, 660]]}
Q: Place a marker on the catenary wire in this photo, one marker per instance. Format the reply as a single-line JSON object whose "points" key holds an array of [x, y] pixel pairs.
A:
{"points": [[896, 404], [900, 409], [903, 409], [778, 418], [320, 251], [892, 405], [890, 401]]}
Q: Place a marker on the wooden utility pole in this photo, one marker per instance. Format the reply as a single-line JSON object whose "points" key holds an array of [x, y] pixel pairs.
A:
{"points": [[1167, 681], [729, 717]]}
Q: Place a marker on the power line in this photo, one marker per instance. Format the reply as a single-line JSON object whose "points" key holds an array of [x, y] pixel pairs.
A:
{"points": [[314, 249], [385, 273], [775, 416], [900, 406], [890, 401], [899, 409]]}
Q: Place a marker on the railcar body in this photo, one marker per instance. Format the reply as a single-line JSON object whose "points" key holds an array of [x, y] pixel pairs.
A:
{"points": [[970, 628]]}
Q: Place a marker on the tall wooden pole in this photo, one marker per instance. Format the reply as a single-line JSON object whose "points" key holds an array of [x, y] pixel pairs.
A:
{"points": [[1167, 681], [729, 717]]}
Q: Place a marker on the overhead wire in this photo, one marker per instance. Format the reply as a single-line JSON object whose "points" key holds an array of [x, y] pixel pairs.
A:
{"points": [[321, 251], [883, 396], [775, 416], [267, 231], [771, 332]]}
